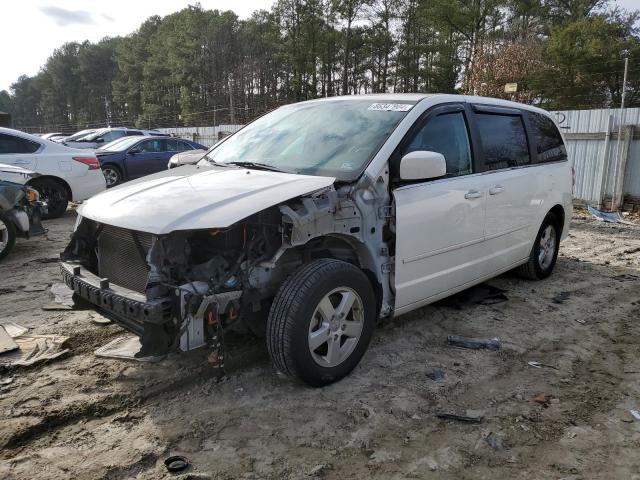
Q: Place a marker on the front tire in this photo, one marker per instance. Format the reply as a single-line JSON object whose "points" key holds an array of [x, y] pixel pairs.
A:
{"points": [[55, 195], [7, 235], [321, 321], [112, 175], [544, 252]]}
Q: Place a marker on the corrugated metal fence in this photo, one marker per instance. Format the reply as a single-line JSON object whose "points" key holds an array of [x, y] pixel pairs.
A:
{"points": [[207, 136], [607, 168]]}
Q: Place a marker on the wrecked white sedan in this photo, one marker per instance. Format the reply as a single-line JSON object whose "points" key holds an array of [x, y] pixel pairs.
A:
{"points": [[318, 218], [20, 207]]}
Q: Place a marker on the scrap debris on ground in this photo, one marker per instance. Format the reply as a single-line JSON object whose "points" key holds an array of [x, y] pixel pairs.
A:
{"points": [[559, 399]]}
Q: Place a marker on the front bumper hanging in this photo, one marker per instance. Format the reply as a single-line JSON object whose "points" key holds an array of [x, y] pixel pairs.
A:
{"points": [[127, 308]]}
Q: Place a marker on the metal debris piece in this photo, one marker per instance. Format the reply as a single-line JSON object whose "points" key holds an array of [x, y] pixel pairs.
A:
{"points": [[561, 297], [609, 217], [436, 375], [125, 348], [459, 418], [100, 320], [494, 441], [13, 329], [35, 349], [63, 298], [540, 365], [176, 463], [474, 343], [7, 344]]}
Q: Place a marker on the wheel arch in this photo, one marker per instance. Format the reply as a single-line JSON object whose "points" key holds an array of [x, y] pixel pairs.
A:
{"points": [[118, 165], [345, 248], [558, 211], [34, 181]]}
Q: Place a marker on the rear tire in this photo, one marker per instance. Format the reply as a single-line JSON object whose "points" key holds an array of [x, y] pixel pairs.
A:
{"points": [[321, 321], [7, 235], [544, 252], [54, 194]]}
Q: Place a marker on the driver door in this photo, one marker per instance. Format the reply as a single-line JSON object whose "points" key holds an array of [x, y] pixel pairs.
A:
{"points": [[146, 157], [439, 222]]}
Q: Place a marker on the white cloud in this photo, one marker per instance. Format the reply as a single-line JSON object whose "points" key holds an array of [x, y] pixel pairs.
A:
{"points": [[64, 17], [31, 30]]}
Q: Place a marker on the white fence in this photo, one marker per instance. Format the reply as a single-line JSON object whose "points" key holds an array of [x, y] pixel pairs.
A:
{"points": [[207, 136], [607, 167]]}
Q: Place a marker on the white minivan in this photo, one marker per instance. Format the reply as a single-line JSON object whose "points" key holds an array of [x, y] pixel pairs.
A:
{"points": [[319, 217]]}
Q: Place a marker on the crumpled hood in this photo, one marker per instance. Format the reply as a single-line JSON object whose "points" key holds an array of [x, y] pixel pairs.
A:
{"points": [[193, 197]]}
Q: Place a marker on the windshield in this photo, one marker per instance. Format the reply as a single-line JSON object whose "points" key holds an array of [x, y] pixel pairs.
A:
{"points": [[334, 138], [79, 135], [92, 136], [121, 144]]}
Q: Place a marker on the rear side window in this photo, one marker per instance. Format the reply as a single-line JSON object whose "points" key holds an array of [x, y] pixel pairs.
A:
{"points": [[504, 141], [11, 144], [446, 134], [131, 133], [549, 145], [174, 145], [112, 135], [151, 146], [185, 146]]}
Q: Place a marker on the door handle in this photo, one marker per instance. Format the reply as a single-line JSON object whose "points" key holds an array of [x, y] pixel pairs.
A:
{"points": [[496, 190], [471, 194]]}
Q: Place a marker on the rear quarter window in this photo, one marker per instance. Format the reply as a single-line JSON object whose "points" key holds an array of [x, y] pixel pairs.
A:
{"points": [[549, 146], [12, 144]]}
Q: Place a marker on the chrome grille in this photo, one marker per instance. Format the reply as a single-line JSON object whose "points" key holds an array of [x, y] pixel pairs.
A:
{"points": [[120, 259]]}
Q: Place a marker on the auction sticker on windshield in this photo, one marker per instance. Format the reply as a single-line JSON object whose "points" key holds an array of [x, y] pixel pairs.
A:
{"points": [[390, 107]]}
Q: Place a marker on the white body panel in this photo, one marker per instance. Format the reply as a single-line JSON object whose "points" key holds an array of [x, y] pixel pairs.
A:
{"points": [[446, 243], [55, 160], [191, 198], [439, 237], [11, 173]]}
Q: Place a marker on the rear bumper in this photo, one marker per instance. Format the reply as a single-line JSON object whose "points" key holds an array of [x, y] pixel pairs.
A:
{"points": [[127, 308], [88, 185]]}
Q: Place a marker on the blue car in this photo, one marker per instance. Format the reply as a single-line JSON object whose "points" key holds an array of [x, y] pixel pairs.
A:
{"points": [[134, 157]]}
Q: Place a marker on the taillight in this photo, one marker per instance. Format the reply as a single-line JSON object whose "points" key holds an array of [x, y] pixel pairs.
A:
{"points": [[91, 162], [573, 179]]}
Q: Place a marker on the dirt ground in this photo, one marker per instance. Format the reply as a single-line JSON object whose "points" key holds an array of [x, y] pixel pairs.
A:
{"points": [[85, 417]]}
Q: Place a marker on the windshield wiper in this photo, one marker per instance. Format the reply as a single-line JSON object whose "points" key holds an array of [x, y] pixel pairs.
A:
{"points": [[259, 166]]}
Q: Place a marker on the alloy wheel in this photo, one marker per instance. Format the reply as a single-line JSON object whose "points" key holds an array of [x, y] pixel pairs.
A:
{"points": [[4, 236], [111, 176], [336, 327], [547, 247]]}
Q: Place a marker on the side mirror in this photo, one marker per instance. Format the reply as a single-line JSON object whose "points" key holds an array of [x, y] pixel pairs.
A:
{"points": [[422, 165], [133, 151], [99, 140]]}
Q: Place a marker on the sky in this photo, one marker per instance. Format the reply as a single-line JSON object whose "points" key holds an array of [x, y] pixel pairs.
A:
{"points": [[31, 29]]}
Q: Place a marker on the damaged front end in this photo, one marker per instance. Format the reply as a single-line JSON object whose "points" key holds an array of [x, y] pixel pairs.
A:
{"points": [[175, 290], [20, 209]]}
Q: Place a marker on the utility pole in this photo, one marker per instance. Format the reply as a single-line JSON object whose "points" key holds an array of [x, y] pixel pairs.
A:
{"points": [[618, 164], [232, 114]]}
